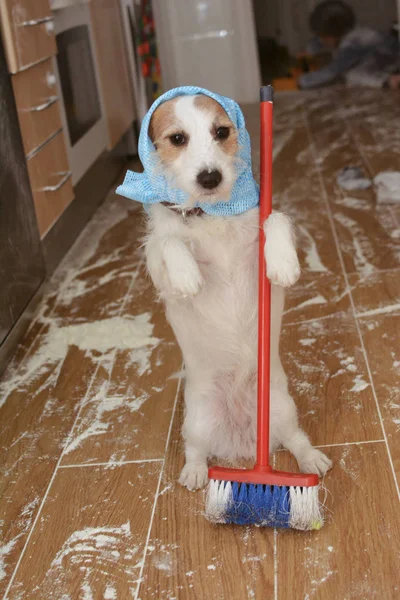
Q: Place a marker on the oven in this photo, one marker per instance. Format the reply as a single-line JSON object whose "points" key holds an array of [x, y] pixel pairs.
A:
{"points": [[78, 85]]}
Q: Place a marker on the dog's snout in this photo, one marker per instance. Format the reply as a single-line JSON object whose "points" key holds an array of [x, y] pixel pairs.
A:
{"points": [[209, 179]]}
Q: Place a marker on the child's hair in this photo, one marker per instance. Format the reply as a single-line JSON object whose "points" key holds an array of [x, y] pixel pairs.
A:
{"points": [[332, 18]]}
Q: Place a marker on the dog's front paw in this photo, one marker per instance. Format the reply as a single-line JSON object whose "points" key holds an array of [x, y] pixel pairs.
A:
{"points": [[186, 282], [315, 461], [194, 476], [283, 270]]}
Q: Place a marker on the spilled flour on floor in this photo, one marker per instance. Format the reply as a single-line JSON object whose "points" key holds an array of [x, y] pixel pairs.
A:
{"points": [[110, 593], [89, 554], [312, 258], [319, 299], [99, 406], [5, 550], [348, 465], [133, 333], [318, 563], [387, 186], [359, 385]]}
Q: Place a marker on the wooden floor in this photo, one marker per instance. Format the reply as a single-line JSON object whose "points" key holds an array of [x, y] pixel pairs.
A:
{"points": [[91, 406]]}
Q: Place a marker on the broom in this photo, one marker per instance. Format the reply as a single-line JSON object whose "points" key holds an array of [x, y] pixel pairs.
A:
{"points": [[262, 495]]}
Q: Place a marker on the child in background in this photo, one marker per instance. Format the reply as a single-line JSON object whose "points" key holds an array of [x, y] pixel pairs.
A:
{"points": [[361, 55]]}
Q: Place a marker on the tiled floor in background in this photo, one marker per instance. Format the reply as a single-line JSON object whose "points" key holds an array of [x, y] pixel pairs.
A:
{"points": [[91, 406]]}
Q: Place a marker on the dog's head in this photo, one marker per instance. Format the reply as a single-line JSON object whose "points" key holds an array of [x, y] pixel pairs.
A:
{"points": [[197, 144]]}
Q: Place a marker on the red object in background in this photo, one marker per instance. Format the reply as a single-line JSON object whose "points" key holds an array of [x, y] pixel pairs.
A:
{"points": [[145, 69], [144, 49]]}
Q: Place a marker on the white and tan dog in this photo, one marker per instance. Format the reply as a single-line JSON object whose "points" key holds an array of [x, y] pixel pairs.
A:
{"points": [[205, 269]]}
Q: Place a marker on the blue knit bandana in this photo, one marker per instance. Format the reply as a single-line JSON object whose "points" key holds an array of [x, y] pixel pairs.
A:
{"points": [[151, 186]]}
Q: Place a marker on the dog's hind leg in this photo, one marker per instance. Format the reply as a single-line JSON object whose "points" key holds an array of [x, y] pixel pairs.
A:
{"points": [[286, 431], [196, 431]]}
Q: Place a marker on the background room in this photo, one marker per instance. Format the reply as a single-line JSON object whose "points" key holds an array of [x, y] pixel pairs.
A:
{"points": [[92, 380]]}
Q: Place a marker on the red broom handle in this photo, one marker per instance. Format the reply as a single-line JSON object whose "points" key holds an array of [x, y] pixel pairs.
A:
{"points": [[264, 290]]}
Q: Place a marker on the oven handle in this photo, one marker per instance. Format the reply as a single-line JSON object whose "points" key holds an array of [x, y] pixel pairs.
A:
{"points": [[39, 107], [53, 188], [35, 22]]}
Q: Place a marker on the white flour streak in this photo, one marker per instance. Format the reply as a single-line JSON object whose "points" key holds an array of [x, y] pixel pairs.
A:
{"points": [[349, 467], [178, 375], [388, 187], [316, 300], [312, 257], [307, 341], [88, 242], [362, 263], [379, 311], [281, 138], [163, 562], [117, 332], [85, 551], [87, 591], [358, 203], [75, 287], [110, 593], [4, 552], [360, 260], [102, 404], [167, 487], [359, 385]]}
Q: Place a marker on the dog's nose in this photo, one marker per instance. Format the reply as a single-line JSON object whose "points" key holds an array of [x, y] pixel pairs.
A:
{"points": [[209, 179]]}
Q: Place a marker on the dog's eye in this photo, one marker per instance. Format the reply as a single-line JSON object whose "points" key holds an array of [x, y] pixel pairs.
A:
{"points": [[178, 139], [222, 133]]}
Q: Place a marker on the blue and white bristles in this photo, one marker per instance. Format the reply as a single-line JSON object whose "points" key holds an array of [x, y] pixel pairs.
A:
{"points": [[264, 505]]}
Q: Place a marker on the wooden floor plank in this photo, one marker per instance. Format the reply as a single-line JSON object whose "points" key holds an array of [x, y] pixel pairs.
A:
{"points": [[364, 231], [43, 389], [134, 394], [91, 535], [190, 558], [329, 380], [356, 554], [376, 292], [35, 422], [382, 342]]}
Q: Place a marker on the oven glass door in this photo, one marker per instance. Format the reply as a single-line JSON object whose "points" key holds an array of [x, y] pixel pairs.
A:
{"points": [[78, 81]]}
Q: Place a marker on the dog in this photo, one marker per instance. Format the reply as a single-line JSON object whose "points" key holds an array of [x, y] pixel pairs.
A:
{"points": [[205, 269]]}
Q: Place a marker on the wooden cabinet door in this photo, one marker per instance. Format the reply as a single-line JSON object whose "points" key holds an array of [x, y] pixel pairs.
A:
{"points": [[37, 104], [28, 32], [50, 182], [113, 68]]}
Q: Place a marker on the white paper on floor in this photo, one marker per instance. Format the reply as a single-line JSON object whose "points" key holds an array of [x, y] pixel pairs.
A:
{"points": [[353, 178], [388, 187]]}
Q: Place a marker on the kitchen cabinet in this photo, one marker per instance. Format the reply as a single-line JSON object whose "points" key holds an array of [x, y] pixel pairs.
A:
{"points": [[21, 258], [37, 104], [51, 183], [30, 44], [28, 32], [113, 67]]}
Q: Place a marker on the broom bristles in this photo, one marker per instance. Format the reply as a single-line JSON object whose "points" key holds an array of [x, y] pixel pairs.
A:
{"points": [[264, 505]]}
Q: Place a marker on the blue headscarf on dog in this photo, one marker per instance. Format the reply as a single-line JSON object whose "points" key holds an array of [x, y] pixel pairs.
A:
{"points": [[151, 186]]}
